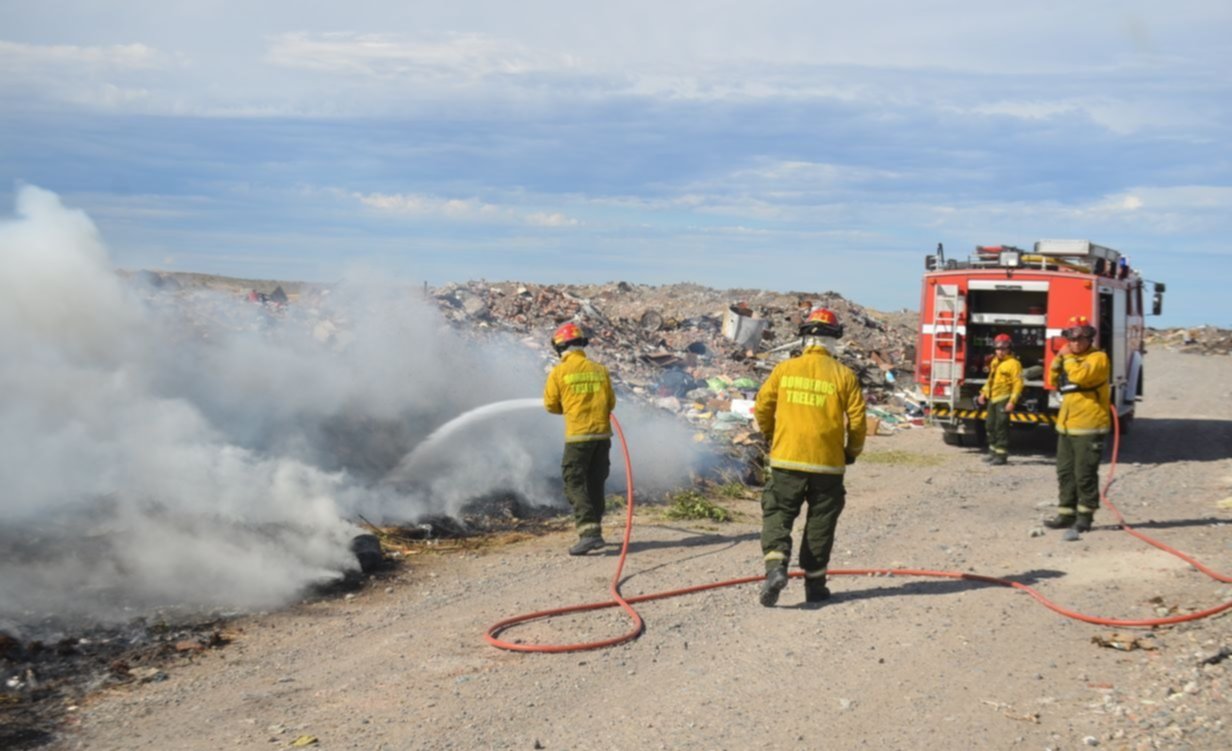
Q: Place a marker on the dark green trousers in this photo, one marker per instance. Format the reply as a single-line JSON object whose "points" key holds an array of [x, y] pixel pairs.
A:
{"points": [[786, 493], [997, 425], [1078, 473], [584, 468]]}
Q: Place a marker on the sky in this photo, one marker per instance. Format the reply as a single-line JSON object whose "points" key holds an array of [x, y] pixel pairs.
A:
{"points": [[789, 145]]}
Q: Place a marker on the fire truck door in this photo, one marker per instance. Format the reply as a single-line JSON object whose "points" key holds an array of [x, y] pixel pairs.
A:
{"points": [[1112, 311]]}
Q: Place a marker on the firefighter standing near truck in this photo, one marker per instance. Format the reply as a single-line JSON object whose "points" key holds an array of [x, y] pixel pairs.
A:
{"points": [[1080, 374], [581, 390], [811, 409], [1000, 392]]}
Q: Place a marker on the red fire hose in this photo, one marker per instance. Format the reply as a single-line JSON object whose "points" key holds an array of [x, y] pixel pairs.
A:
{"points": [[638, 625]]}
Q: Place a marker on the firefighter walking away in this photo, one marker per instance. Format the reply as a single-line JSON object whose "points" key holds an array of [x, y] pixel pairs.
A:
{"points": [[811, 409]]}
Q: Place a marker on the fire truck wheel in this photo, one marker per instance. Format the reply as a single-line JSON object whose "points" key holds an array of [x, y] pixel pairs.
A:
{"points": [[952, 437]]}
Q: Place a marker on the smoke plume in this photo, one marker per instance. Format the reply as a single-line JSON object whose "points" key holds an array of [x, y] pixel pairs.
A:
{"points": [[167, 450]]}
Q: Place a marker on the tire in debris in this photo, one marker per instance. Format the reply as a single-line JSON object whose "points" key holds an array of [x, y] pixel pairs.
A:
{"points": [[367, 550]]}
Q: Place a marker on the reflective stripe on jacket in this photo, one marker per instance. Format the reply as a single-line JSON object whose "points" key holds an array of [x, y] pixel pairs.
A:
{"points": [[1084, 411], [581, 390], [813, 409], [1004, 380]]}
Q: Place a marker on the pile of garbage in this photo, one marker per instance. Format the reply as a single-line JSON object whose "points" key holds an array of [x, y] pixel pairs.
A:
{"points": [[694, 351], [1199, 340], [699, 352]]}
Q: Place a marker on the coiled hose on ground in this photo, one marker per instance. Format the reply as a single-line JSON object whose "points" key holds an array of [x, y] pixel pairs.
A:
{"points": [[638, 625]]}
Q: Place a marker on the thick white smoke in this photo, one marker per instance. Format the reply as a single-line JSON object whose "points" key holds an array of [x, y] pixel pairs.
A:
{"points": [[176, 449]]}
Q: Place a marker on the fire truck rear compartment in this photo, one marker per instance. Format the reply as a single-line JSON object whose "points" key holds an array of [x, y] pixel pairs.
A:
{"points": [[1020, 314]]}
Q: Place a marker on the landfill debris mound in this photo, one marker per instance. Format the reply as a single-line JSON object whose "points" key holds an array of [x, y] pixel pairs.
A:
{"points": [[698, 352], [1198, 340]]}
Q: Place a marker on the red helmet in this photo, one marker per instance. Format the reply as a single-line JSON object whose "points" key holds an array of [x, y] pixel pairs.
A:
{"points": [[821, 322], [569, 335], [1002, 340], [1079, 328]]}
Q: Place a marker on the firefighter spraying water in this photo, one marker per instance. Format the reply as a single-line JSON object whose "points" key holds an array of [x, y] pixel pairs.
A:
{"points": [[581, 390]]}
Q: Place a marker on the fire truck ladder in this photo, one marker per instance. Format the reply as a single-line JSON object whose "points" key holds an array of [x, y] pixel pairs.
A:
{"points": [[946, 372]]}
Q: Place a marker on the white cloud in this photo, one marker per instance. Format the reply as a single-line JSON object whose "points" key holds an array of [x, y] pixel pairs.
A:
{"points": [[392, 56], [419, 205], [1162, 203], [112, 78], [460, 209], [1121, 116], [1026, 109], [887, 58], [1139, 217], [798, 175], [1107, 206], [15, 56], [554, 219], [1203, 197]]}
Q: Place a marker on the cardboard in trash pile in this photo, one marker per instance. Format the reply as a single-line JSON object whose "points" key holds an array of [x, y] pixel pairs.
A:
{"points": [[743, 407]]}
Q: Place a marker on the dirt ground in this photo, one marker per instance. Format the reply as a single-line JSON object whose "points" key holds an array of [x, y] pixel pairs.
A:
{"points": [[888, 663]]}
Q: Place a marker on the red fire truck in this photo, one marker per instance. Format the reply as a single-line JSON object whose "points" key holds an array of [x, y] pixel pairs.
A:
{"points": [[1030, 295]]}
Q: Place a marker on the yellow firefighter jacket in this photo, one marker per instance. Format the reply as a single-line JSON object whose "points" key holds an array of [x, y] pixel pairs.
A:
{"points": [[812, 409], [1084, 411], [581, 390], [1004, 382]]}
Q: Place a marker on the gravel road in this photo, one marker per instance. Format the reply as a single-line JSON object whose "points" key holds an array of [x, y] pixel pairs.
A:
{"points": [[888, 663]]}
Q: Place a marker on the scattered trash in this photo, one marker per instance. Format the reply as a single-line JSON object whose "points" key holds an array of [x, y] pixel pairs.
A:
{"points": [[1122, 642], [367, 550], [873, 425], [740, 327], [743, 407], [1008, 711], [1162, 609]]}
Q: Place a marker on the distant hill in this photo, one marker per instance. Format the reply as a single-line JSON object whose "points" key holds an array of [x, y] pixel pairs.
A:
{"points": [[192, 280]]}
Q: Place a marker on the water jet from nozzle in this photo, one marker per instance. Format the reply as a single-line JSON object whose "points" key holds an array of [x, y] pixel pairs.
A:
{"points": [[441, 435]]}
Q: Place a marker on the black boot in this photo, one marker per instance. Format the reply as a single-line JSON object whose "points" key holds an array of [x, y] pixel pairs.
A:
{"points": [[586, 544], [1083, 524], [998, 460], [1060, 521], [815, 590], [776, 580]]}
